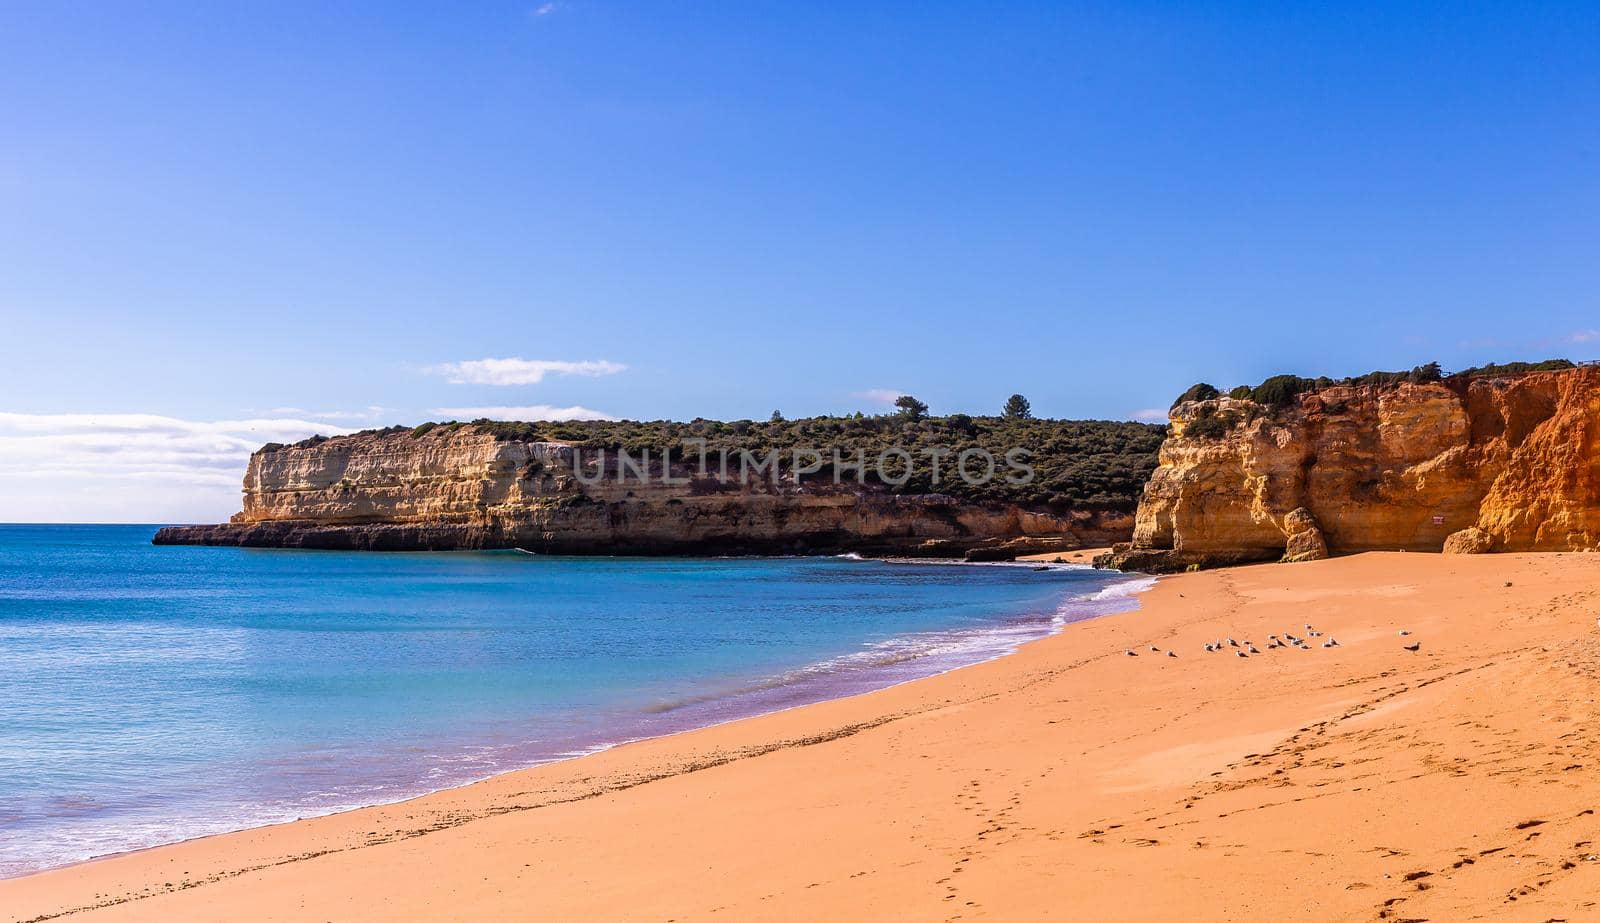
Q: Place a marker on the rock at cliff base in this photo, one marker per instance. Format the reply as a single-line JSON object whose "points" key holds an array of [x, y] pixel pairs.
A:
{"points": [[1125, 557], [1305, 540], [1471, 540]]}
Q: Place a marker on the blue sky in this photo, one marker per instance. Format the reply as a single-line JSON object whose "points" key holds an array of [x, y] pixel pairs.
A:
{"points": [[242, 221]]}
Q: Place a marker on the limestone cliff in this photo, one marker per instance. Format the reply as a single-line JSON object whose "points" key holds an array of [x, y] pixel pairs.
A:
{"points": [[467, 488], [1464, 465]]}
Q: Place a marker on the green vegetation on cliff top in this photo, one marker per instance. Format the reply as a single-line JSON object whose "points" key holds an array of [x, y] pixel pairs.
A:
{"points": [[1281, 390], [1092, 464]]}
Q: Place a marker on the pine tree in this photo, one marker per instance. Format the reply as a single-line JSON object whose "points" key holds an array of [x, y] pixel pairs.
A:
{"points": [[910, 407], [1017, 408]]}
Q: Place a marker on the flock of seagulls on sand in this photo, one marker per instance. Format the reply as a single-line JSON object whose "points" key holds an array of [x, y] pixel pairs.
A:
{"points": [[1247, 648]]}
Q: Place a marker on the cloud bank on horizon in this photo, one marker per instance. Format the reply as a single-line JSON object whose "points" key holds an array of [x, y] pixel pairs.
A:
{"points": [[143, 467], [120, 467]]}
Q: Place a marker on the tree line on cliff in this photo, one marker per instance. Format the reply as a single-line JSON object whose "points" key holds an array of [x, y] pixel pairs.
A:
{"points": [[1281, 391]]}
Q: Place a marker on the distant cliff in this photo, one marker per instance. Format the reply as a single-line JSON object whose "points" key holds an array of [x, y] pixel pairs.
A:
{"points": [[492, 485], [1471, 463]]}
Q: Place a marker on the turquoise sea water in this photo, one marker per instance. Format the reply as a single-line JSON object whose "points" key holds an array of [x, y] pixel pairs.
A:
{"points": [[153, 694]]}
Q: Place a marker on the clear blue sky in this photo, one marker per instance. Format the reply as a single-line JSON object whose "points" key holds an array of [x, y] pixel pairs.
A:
{"points": [[280, 211]]}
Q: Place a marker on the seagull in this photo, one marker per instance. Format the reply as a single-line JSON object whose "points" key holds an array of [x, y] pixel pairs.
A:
{"points": [[1232, 643], [1239, 653], [1308, 626], [1333, 642], [1154, 649], [1403, 632], [1130, 653], [1253, 649], [1171, 654], [1209, 648], [1415, 645]]}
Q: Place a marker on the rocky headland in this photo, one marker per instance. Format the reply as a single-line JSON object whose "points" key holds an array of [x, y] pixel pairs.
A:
{"points": [[488, 485], [1298, 470]]}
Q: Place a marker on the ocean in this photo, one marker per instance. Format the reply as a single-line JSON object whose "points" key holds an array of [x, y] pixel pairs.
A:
{"points": [[154, 694]]}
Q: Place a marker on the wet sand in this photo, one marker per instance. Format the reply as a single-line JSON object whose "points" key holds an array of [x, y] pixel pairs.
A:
{"points": [[1068, 780]]}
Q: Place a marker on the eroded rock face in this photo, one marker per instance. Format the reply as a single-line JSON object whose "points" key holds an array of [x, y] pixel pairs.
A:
{"points": [[1516, 460], [465, 489]]}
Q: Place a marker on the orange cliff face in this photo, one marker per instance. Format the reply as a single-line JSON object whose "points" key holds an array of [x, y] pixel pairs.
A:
{"points": [[1462, 465], [464, 488]]}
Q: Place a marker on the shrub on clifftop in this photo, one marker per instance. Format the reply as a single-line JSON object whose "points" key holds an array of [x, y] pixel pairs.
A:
{"points": [[1197, 392], [1280, 391], [1517, 368]]}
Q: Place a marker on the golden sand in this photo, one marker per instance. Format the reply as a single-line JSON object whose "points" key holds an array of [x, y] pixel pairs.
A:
{"points": [[1069, 781]]}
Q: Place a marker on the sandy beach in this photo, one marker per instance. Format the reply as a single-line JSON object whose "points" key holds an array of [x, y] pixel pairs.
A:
{"points": [[1068, 780]]}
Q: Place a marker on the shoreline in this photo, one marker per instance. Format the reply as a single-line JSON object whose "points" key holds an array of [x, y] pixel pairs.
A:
{"points": [[1062, 778], [1133, 578], [793, 688]]}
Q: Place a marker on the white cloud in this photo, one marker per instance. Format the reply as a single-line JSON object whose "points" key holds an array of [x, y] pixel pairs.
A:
{"points": [[1151, 415], [1584, 336], [87, 467], [880, 395], [545, 9], [371, 413], [519, 371], [529, 413]]}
